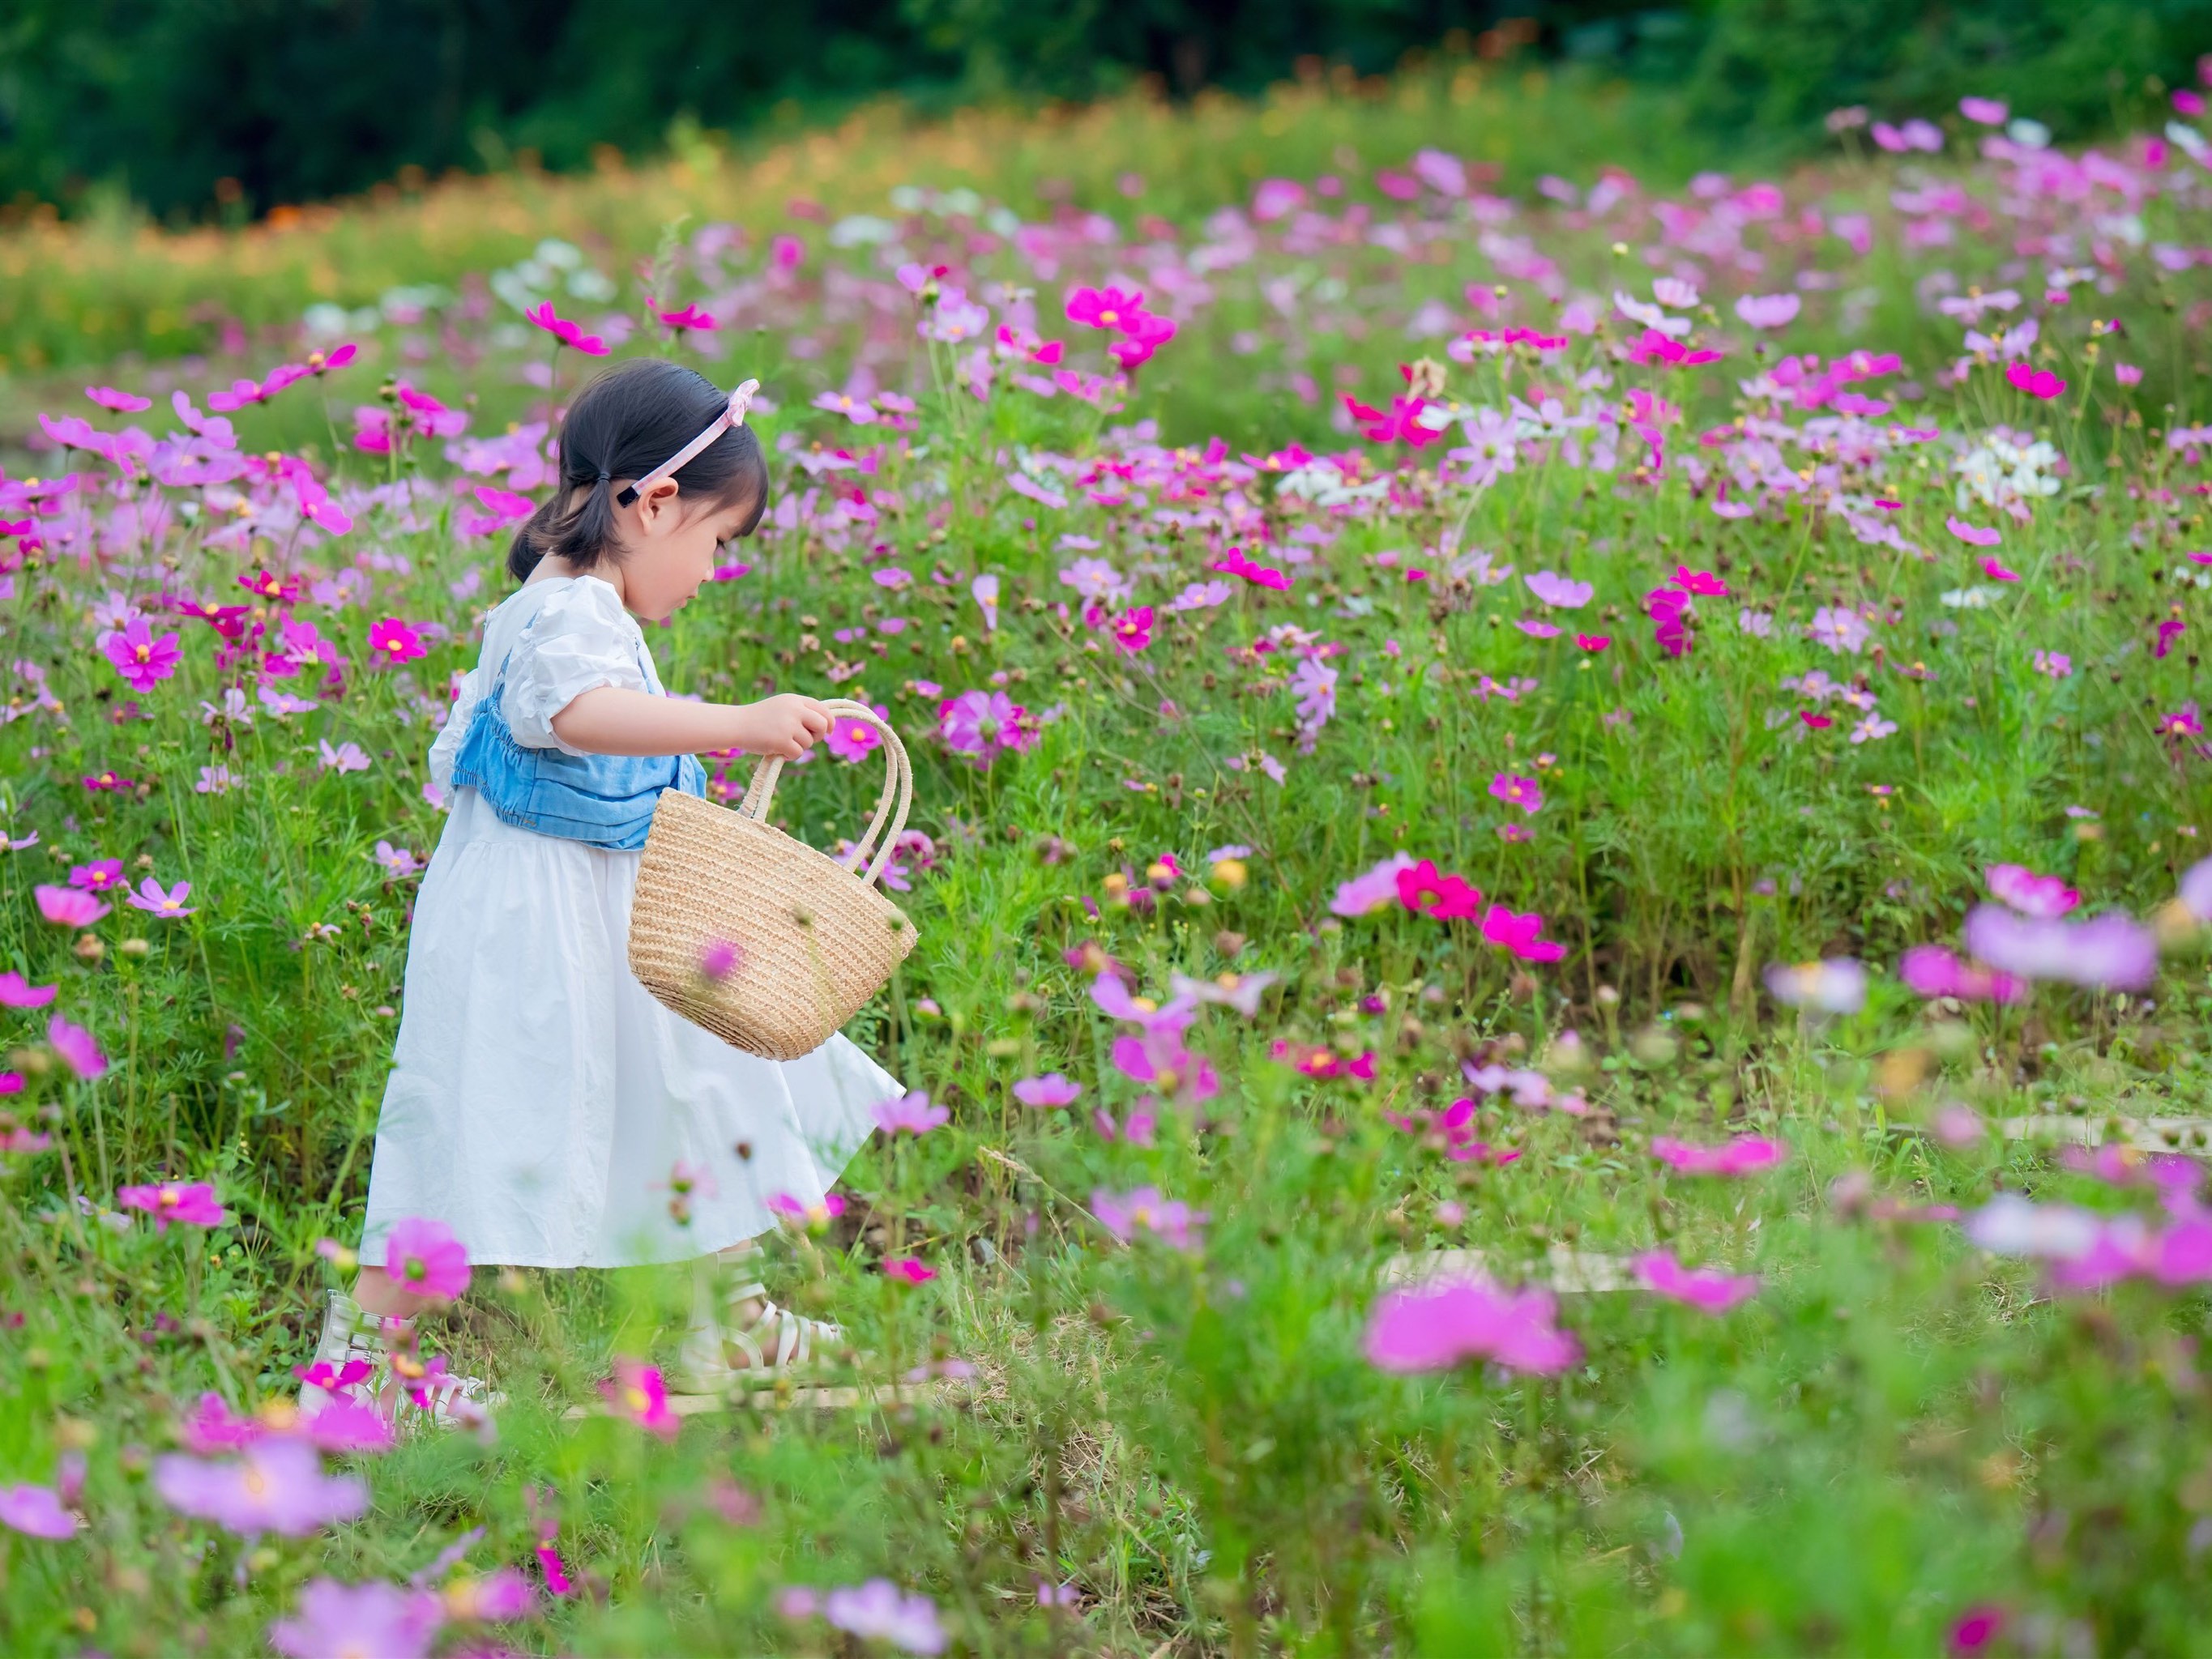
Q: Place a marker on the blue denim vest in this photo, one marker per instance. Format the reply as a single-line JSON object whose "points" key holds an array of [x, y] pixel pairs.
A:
{"points": [[602, 800]]}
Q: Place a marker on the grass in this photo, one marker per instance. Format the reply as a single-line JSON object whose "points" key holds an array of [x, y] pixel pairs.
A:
{"points": [[1900, 1441]]}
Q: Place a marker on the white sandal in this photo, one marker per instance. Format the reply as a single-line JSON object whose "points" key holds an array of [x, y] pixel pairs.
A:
{"points": [[774, 1341], [397, 1381]]}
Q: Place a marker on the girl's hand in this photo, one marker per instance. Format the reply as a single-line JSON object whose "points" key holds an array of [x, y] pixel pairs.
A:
{"points": [[786, 725]]}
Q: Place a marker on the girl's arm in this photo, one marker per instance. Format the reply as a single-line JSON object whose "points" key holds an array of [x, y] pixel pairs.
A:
{"points": [[612, 720]]}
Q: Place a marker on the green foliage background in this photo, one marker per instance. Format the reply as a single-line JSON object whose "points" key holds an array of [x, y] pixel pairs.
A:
{"points": [[189, 106]]}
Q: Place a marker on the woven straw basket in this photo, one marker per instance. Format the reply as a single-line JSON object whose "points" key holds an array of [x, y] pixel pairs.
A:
{"points": [[766, 942]]}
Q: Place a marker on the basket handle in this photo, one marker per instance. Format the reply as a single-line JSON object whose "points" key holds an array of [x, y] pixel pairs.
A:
{"points": [[891, 807]]}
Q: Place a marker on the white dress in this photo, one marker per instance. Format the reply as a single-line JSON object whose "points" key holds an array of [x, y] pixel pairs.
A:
{"points": [[541, 1103]]}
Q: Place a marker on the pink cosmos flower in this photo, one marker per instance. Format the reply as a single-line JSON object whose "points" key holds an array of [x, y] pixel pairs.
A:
{"points": [[1704, 1288], [815, 1215], [853, 740], [1996, 571], [16, 992], [910, 1114], [1367, 893], [1744, 1155], [1441, 1327], [391, 642], [910, 1269], [1104, 308], [1593, 643], [984, 724], [277, 1485], [1700, 584], [637, 1392], [351, 1621], [427, 1260], [1767, 310], [100, 876], [718, 959], [1143, 1209], [190, 1203], [690, 316], [2045, 897], [1972, 535], [2036, 382], [143, 659], [2111, 953], [1132, 629], [168, 905], [1985, 111], [1979, 1626], [346, 757], [1048, 1091], [1519, 934], [568, 334], [1524, 792], [76, 1048], [1234, 564], [1933, 971], [877, 1611], [1560, 593], [123, 403], [1835, 987], [1427, 891], [36, 1512]]}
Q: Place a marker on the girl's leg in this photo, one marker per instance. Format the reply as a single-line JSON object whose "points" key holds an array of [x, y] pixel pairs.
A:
{"points": [[374, 1292]]}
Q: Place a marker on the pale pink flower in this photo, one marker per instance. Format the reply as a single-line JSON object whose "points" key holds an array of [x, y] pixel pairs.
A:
{"points": [[1705, 1288], [36, 1512], [168, 903], [911, 1114], [1767, 310], [1143, 1209], [2111, 953], [277, 1484], [1048, 1091], [1972, 535], [1837, 986], [1373, 891], [346, 757]]}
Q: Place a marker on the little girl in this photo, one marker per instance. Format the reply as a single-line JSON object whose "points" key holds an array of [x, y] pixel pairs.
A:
{"points": [[541, 1103]]}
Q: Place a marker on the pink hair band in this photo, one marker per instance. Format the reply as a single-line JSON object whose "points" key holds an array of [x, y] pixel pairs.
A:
{"points": [[732, 414]]}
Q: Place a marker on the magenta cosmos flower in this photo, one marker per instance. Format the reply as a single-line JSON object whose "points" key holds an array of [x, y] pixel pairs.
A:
{"points": [[1524, 792], [69, 906], [852, 739], [1972, 534], [1934, 971], [37, 1511], [393, 641], [353, 1621], [1105, 308], [76, 1048], [193, 1203], [16, 992], [143, 657], [2046, 898], [1705, 1288], [1132, 629], [910, 1113], [568, 334], [638, 1392], [1427, 891], [427, 1260], [910, 1269], [1050, 1090], [1744, 1155], [276, 1485], [1519, 933], [1437, 1328], [123, 403]]}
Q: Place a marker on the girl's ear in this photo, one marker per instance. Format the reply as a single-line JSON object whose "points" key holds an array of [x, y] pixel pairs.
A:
{"points": [[657, 507]]}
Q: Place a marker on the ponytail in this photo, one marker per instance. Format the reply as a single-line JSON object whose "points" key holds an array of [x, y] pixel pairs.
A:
{"points": [[623, 425]]}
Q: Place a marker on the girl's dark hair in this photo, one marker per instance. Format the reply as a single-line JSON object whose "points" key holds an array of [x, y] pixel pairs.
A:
{"points": [[623, 425]]}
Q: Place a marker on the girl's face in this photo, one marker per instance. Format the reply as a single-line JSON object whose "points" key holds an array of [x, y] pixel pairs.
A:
{"points": [[670, 546]]}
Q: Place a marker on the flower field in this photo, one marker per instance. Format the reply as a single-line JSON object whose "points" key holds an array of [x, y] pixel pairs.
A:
{"points": [[1559, 862]]}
